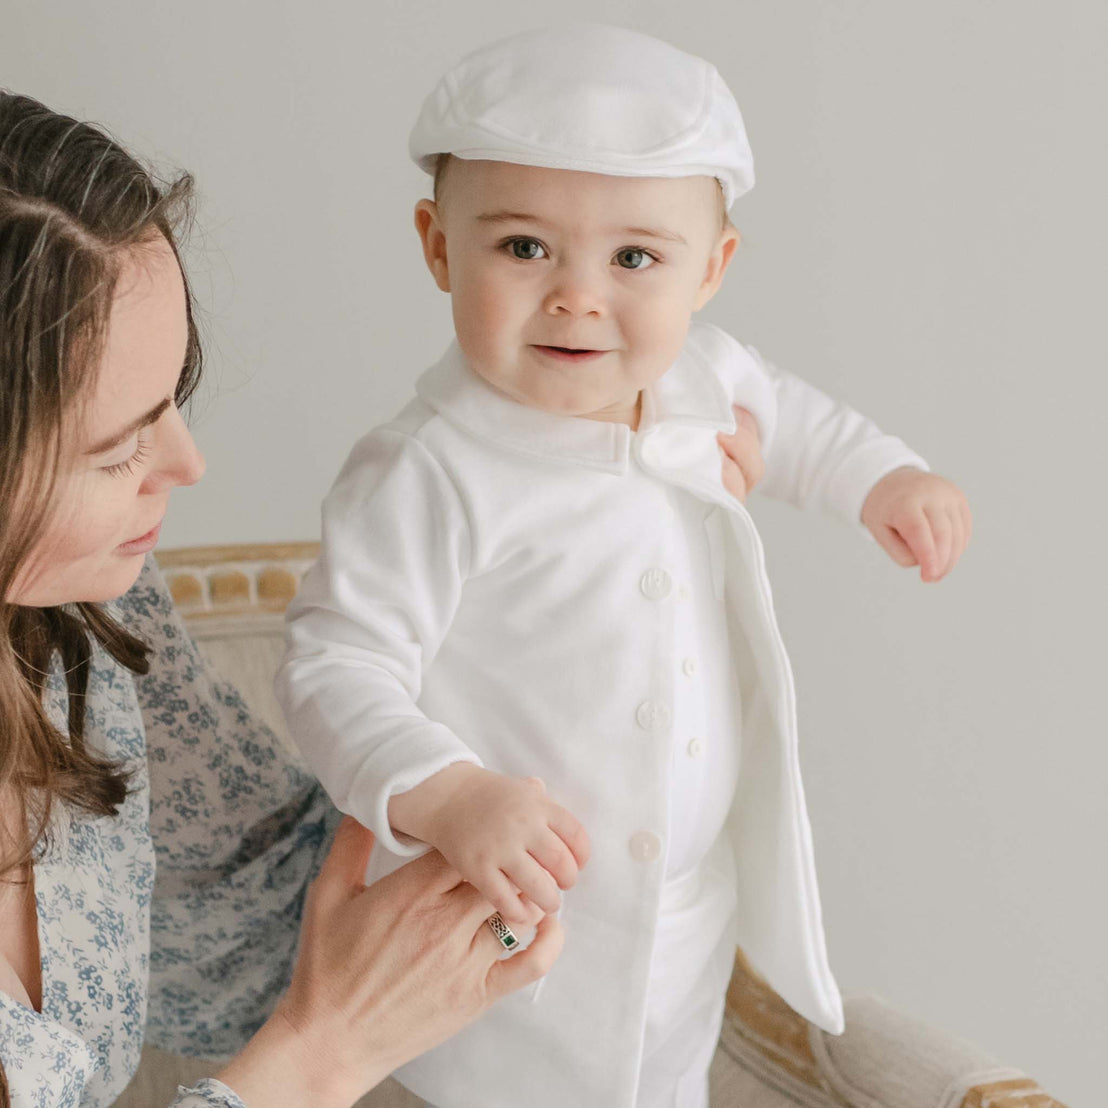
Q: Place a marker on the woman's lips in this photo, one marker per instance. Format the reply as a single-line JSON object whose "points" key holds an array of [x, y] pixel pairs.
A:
{"points": [[143, 544], [568, 354]]}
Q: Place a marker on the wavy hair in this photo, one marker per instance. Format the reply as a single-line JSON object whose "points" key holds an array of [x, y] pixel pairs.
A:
{"points": [[73, 202]]}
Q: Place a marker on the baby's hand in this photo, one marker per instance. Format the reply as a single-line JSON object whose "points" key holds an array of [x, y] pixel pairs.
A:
{"points": [[507, 838], [920, 519], [743, 465]]}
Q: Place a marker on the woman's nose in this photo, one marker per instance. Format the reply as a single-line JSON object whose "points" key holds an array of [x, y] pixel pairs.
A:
{"points": [[179, 461]]}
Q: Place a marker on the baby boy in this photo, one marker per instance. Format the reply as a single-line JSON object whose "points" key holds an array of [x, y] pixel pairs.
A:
{"points": [[538, 612]]}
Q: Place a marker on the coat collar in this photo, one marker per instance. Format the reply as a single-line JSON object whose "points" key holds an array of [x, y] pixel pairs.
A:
{"points": [[688, 394]]}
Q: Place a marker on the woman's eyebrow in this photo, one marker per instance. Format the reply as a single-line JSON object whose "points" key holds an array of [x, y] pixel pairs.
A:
{"points": [[151, 416]]}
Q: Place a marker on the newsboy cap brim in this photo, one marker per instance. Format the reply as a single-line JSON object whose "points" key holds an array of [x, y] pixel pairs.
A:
{"points": [[592, 98]]}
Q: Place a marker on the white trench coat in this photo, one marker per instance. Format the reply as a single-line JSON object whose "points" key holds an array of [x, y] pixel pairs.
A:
{"points": [[481, 596]]}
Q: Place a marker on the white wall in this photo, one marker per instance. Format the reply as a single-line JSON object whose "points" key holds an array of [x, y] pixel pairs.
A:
{"points": [[927, 239]]}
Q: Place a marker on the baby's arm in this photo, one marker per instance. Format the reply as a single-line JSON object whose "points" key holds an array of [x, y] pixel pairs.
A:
{"points": [[370, 616], [820, 453]]}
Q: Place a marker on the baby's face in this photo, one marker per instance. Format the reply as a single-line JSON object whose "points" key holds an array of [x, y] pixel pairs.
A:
{"points": [[573, 291]]}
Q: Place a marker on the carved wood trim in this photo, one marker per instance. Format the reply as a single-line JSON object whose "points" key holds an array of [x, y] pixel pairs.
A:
{"points": [[249, 580]]}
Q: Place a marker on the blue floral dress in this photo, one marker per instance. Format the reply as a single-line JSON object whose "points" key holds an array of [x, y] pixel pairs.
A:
{"points": [[179, 916]]}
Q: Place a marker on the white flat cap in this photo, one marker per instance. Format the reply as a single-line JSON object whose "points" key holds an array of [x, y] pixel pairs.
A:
{"points": [[588, 97]]}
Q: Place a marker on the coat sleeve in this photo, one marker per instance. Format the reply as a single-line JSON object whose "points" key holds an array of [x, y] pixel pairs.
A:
{"points": [[819, 452], [368, 621], [239, 830], [208, 1093]]}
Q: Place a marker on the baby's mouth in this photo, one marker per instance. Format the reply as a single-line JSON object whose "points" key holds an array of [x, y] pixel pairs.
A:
{"points": [[569, 353]]}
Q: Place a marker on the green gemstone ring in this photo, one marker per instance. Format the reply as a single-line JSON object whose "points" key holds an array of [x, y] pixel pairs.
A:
{"points": [[503, 932]]}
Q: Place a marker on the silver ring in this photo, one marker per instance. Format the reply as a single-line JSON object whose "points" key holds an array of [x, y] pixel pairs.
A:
{"points": [[502, 931]]}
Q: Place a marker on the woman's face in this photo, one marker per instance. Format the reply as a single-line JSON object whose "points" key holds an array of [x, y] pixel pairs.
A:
{"points": [[126, 452]]}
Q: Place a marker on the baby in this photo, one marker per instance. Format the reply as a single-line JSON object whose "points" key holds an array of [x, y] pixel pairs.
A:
{"points": [[538, 610]]}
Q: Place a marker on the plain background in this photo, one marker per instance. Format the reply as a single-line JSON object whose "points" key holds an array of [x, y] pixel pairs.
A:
{"points": [[927, 240]]}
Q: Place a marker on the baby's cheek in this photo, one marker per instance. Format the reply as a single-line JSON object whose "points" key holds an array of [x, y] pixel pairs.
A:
{"points": [[660, 332], [480, 319]]}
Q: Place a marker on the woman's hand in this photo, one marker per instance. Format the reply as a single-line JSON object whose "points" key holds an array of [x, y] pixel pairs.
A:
{"points": [[383, 974], [743, 465]]}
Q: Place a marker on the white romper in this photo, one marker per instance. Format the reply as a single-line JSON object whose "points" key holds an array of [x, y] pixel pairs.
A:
{"points": [[504, 586]]}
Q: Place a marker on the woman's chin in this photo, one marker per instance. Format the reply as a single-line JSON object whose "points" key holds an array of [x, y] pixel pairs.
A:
{"points": [[118, 579], [109, 582]]}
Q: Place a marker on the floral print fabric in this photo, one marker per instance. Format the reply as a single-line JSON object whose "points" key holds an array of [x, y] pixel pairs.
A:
{"points": [[197, 955]]}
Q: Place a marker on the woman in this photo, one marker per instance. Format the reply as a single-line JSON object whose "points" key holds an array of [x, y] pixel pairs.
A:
{"points": [[119, 747], [113, 733]]}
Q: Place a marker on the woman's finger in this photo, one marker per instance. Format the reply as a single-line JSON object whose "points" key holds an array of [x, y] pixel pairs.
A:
{"points": [[343, 870], [528, 965], [471, 907], [487, 942]]}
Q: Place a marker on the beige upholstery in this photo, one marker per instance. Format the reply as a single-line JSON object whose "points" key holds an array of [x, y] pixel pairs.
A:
{"points": [[768, 1056]]}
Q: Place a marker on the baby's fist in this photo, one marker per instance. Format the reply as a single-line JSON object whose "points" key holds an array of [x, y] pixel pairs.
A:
{"points": [[507, 838], [919, 519]]}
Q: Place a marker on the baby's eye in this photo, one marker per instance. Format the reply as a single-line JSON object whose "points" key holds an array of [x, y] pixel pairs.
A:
{"points": [[634, 258], [527, 250]]}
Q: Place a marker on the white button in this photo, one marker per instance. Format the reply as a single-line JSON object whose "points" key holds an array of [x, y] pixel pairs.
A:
{"points": [[683, 593], [695, 748], [645, 846], [688, 667], [652, 715], [655, 584]]}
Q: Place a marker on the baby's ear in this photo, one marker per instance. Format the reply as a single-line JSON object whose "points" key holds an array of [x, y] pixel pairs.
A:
{"points": [[718, 261], [428, 224]]}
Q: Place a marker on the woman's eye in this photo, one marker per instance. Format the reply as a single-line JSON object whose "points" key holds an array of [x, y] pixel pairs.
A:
{"points": [[633, 258], [130, 464], [527, 250]]}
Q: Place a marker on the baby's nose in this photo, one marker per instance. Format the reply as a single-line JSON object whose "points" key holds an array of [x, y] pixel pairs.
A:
{"points": [[574, 296]]}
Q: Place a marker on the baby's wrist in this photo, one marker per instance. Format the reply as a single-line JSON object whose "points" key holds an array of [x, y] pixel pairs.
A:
{"points": [[419, 811]]}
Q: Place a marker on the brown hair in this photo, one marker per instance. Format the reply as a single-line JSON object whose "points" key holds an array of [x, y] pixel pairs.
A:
{"points": [[72, 203]]}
